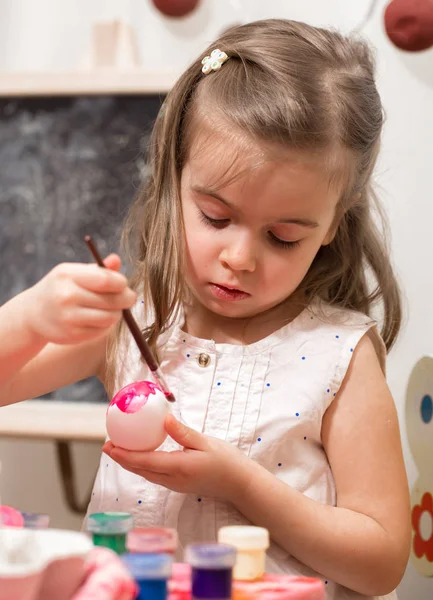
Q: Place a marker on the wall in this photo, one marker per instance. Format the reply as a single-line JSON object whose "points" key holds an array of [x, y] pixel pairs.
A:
{"points": [[58, 35], [405, 181], [30, 478]]}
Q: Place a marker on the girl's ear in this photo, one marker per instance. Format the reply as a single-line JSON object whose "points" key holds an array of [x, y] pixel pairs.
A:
{"points": [[340, 211]]}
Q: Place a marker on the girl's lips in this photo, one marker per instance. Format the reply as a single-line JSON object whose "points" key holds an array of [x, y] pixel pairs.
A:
{"points": [[226, 293]]}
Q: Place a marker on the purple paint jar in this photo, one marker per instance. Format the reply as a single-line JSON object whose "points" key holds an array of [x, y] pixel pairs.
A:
{"points": [[212, 569]]}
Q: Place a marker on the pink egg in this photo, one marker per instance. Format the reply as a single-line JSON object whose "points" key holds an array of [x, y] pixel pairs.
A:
{"points": [[136, 415]]}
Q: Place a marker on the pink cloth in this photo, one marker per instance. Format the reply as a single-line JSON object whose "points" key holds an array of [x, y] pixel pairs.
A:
{"points": [[281, 587], [106, 578], [271, 587]]}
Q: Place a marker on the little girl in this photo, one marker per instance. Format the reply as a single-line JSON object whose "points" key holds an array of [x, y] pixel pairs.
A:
{"points": [[256, 268]]}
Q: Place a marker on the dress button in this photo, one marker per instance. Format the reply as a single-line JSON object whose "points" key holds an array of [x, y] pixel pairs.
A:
{"points": [[203, 359]]}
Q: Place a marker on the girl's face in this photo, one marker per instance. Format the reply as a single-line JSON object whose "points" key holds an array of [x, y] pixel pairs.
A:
{"points": [[250, 242]]}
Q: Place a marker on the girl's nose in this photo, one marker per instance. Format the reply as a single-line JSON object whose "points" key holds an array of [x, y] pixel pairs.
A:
{"points": [[240, 254]]}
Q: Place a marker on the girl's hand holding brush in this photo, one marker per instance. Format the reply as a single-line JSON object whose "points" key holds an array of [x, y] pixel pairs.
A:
{"points": [[77, 303]]}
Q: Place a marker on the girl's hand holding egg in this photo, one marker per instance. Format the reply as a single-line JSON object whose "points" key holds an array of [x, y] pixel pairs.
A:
{"points": [[138, 421]]}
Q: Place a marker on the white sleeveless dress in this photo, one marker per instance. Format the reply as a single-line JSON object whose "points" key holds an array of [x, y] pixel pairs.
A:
{"points": [[267, 398]]}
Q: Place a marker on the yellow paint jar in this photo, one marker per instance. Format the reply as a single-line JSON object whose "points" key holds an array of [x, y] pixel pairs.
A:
{"points": [[251, 544]]}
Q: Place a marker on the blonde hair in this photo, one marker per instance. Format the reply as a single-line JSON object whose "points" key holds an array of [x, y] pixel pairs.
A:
{"points": [[285, 83]]}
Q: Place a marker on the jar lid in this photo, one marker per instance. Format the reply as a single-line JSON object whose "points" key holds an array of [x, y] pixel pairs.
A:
{"points": [[35, 520], [152, 540], [148, 566], [244, 537], [11, 517], [210, 556], [110, 523]]}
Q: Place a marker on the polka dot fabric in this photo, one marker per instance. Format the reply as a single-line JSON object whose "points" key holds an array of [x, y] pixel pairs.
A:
{"points": [[268, 399]]}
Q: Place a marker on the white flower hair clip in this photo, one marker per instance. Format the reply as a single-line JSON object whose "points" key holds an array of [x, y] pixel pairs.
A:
{"points": [[214, 61]]}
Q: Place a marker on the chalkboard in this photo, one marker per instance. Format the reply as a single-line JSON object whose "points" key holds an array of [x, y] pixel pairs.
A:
{"points": [[68, 166]]}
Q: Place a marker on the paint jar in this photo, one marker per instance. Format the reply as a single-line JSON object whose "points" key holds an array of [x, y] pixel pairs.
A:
{"points": [[152, 540], [212, 568], [151, 573], [251, 544], [109, 529], [179, 586], [35, 520], [181, 572]]}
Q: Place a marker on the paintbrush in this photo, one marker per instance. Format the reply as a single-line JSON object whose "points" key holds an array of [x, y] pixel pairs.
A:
{"points": [[143, 346]]}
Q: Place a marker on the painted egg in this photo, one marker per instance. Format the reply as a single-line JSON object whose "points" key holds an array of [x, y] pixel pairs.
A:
{"points": [[135, 417]]}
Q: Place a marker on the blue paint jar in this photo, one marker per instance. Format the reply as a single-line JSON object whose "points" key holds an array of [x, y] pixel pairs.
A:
{"points": [[151, 573], [212, 569]]}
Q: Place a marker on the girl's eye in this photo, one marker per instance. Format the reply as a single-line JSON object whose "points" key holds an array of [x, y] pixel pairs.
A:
{"points": [[283, 243], [221, 223], [217, 223]]}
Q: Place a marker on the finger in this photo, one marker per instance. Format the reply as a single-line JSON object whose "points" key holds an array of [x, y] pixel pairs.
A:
{"points": [[83, 334], [155, 462], [92, 318], [88, 299], [183, 435], [92, 277], [96, 279], [157, 478], [113, 262], [108, 447]]}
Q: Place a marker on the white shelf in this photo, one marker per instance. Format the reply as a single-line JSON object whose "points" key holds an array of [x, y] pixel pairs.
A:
{"points": [[92, 82], [51, 420]]}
